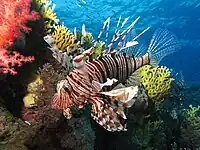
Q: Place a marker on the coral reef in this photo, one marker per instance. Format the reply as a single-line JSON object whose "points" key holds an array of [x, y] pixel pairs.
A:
{"points": [[41, 127], [32, 89], [14, 15], [13, 132], [189, 130], [156, 80], [63, 38], [73, 134]]}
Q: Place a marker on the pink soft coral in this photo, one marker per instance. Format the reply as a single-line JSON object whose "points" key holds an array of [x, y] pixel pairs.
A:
{"points": [[13, 17]]}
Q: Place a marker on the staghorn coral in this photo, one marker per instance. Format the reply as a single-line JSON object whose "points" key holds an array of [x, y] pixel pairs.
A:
{"points": [[63, 38], [47, 10], [156, 81], [13, 18]]}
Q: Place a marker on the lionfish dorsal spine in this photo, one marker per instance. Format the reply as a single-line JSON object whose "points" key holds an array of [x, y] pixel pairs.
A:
{"points": [[108, 26], [105, 24], [117, 30], [123, 33], [83, 35], [133, 41]]}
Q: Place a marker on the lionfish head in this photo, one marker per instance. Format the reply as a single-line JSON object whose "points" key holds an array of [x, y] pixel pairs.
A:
{"points": [[61, 99]]}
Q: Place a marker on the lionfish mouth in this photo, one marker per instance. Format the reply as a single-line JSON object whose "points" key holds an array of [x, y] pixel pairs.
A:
{"points": [[61, 98], [60, 85]]}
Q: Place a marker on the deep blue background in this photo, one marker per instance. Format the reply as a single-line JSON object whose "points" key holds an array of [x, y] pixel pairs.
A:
{"points": [[182, 17]]}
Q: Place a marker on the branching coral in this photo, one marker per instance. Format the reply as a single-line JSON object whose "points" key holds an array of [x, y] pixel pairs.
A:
{"points": [[156, 80], [13, 17], [190, 128], [47, 12], [64, 39], [88, 39], [41, 92]]}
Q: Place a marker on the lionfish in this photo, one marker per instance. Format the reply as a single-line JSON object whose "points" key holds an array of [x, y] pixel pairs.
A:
{"points": [[92, 81]]}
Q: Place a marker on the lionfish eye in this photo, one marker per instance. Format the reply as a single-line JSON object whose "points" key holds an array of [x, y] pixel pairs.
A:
{"points": [[66, 89]]}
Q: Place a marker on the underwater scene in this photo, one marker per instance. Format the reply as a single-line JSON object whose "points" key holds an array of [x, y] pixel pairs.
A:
{"points": [[99, 75]]}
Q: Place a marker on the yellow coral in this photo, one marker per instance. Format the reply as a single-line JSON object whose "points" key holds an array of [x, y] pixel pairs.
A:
{"points": [[47, 11], [192, 111], [99, 48], [192, 116], [30, 100], [156, 80], [48, 27], [31, 97], [64, 39], [32, 87]]}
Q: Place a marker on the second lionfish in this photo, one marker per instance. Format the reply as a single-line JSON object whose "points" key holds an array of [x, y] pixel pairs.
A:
{"points": [[92, 81]]}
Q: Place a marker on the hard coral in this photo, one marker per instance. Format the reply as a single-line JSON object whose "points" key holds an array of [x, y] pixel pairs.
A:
{"points": [[156, 80], [63, 38], [189, 131], [13, 16], [47, 10]]}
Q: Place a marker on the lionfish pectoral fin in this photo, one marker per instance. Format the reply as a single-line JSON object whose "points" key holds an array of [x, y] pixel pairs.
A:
{"points": [[67, 113], [122, 97], [108, 119], [121, 113], [98, 86]]}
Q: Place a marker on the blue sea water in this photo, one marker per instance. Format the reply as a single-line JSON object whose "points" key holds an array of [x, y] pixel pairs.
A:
{"points": [[182, 17]]}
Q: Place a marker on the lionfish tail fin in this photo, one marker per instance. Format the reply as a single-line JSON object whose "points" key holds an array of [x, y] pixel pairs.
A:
{"points": [[112, 115], [162, 44]]}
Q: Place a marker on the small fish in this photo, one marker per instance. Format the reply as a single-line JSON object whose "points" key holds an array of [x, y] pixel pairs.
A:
{"points": [[92, 81]]}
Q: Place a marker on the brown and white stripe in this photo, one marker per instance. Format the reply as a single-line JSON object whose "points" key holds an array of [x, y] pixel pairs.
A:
{"points": [[77, 88]]}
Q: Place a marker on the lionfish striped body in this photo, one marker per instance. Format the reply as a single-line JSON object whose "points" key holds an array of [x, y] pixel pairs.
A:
{"points": [[86, 83], [82, 91]]}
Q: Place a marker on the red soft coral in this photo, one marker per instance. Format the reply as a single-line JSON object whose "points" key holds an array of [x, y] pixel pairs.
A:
{"points": [[13, 17]]}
